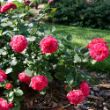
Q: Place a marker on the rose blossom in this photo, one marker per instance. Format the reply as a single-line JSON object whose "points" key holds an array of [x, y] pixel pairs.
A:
{"points": [[3, 104], [48, 45], [23, 77], [8, 86], [39, 82], [7, 6], [3, 76], [75, 97], [11, 105], [96, 41], [18, 43], [99, 52], [98, 49], [84, 87]]}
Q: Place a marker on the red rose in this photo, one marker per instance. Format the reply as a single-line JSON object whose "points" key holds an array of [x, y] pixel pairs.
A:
{"points": [[3, 104], [99, 52], [23, 77], [98, 49], [7, 6], [11, 105], [48, 45], [96, 41], [84, 87], [3, 76], [75, 97], [39, 82], [18, 43], [8, 86]]}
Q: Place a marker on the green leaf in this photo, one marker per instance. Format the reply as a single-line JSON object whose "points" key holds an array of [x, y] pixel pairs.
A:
{"points": [[9, 70], [70, 79], [18, 4], [11, 96], [77, 59], [29, 72], [43, 92], [93, 62], [18, 92]]}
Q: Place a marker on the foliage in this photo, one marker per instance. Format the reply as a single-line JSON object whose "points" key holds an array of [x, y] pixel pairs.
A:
{"points": [[62, 66]]}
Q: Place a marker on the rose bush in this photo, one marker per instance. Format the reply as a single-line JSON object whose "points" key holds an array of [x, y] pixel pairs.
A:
{"points": [[32, 54]]}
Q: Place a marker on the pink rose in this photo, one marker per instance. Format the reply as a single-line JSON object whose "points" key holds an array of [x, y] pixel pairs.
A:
{"points": [[48, 45], [84, 87], [3, 104], [39, 82], [75, 97], [7, 6], [18, 43], [23, 77], [3, 76]]}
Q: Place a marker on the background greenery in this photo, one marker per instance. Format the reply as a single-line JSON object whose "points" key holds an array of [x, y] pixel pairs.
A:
{"points": [[82, 13], [80, 37]]}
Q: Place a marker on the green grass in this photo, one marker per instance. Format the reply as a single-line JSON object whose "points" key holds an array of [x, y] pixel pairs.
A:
{"points": [[81, 37]]}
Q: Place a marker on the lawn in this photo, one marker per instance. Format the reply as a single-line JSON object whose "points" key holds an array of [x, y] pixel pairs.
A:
{"points": [[81, 36]]}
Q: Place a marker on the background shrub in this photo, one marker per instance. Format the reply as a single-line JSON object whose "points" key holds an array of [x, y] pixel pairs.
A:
{"points": [[96, 15]]}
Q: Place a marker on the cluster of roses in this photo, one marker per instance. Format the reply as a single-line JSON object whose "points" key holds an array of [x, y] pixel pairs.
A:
{"points": [[98, 49], [18, 44], [77, 96]]}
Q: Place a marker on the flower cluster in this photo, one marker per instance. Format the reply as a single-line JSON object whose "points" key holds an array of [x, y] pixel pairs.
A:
{"points": [[77, 96], [7, 6], [38, 82], [48, 45], [18, 44], [98, 49]]}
